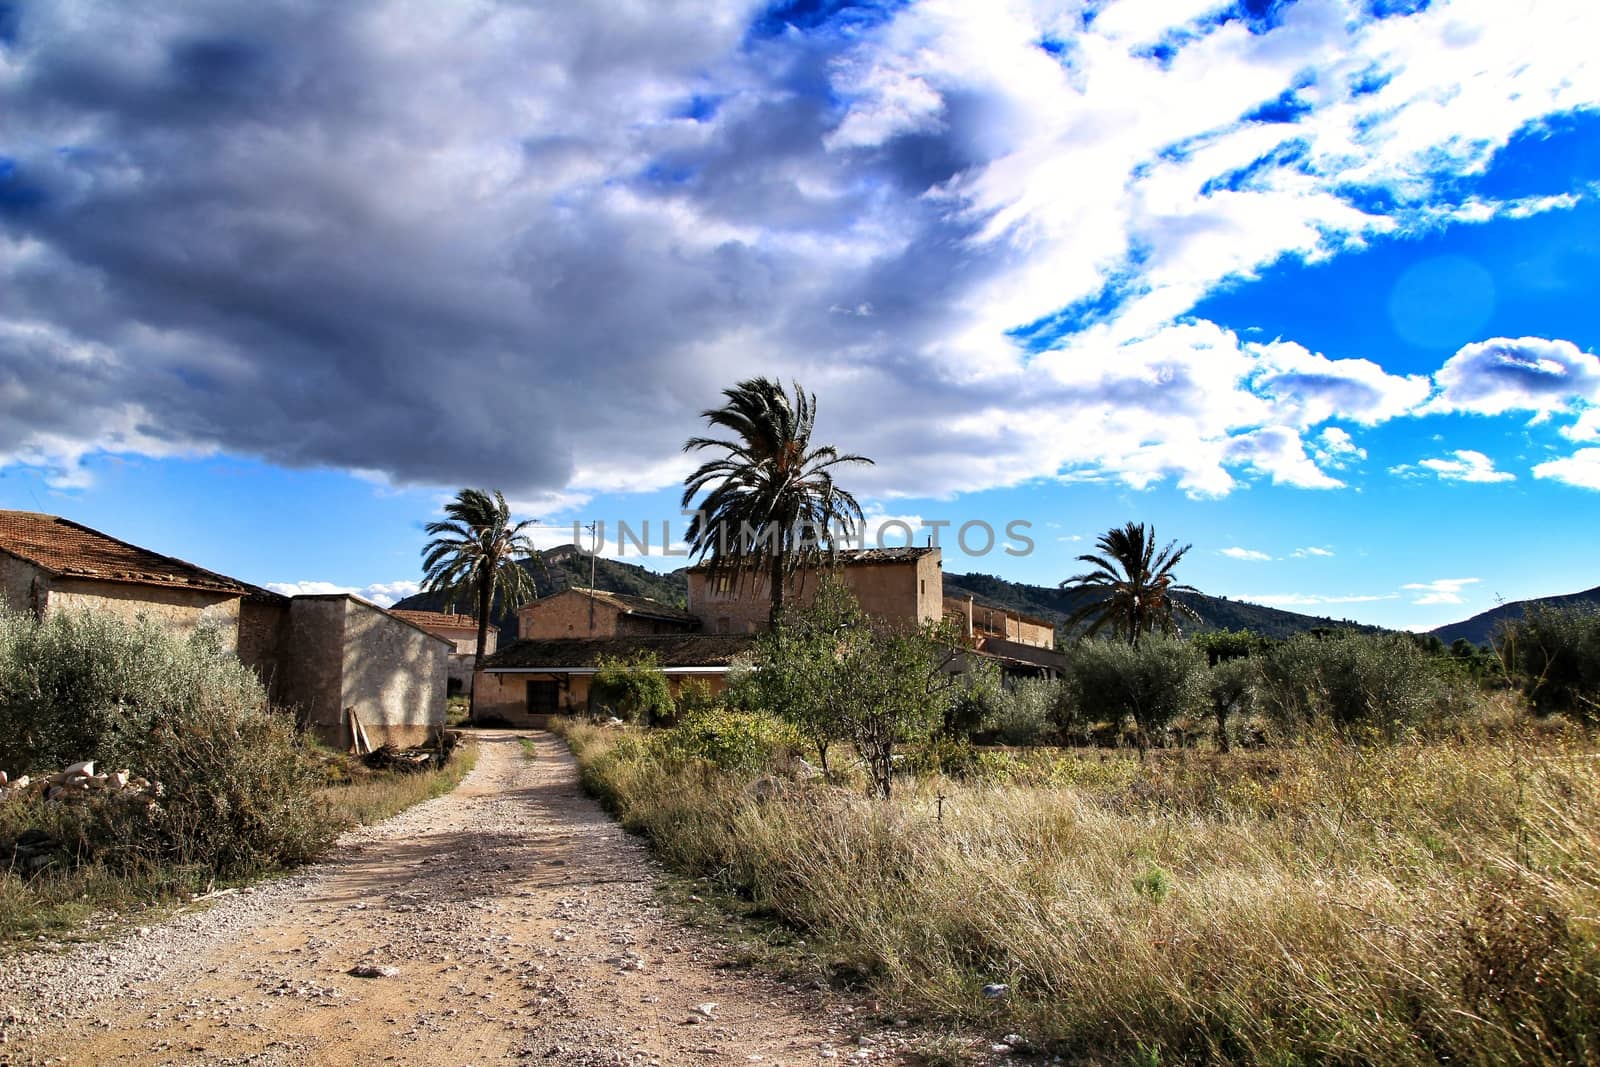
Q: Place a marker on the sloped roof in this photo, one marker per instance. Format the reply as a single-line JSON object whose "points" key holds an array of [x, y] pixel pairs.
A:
{"points": [[635, 605], [959, 603], [444, 620], [856, 557], [68, 549], [673, 650]]}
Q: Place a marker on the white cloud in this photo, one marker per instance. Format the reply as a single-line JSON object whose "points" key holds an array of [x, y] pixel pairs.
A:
{"points": [[1527, 374], [1245, 554], [383, 594], [1310, 551], [613, 206], [1581, 469], [1587, 428], [1440, 591], [1466, 466]]}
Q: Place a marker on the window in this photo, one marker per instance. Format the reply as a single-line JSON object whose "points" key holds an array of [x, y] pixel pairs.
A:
{"points": [[544, 698], [923, 587], [723, 584]]}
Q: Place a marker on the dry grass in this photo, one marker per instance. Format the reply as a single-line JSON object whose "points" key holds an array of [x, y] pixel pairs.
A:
{"points": [[1403, 904]]}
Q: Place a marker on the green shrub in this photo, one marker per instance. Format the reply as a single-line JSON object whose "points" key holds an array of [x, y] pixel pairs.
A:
{"points": [[634, 688], [1555, 655], [1231, 689], [1151, 683], [696, 698], [745, 741], [238, 788], [1355, 683], [1025, 713]]}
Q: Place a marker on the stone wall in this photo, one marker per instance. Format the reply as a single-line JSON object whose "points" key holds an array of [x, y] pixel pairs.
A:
{"points": [[313, 666], [18, 589], [899, 594], [566, 614], [394, 675], [177, 611], [263, 640]]}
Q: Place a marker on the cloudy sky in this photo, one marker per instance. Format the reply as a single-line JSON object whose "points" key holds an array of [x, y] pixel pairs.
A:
{"points": [[1311, 284]]}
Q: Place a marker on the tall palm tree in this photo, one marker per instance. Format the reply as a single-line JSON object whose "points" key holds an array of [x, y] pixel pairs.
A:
{"points": [[475, 552], [1131, 585], [771, 501]]}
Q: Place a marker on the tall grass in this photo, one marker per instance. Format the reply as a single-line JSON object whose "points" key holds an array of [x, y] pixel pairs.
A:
{"points": [[1327, 903]]}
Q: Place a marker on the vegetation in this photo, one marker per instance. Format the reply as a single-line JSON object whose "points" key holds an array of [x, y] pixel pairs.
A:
{"points": [[474, 555], [241, 794], [1130, 586], [1555, 654], [833, 676], [770, 498], [633, 688], [1407, 903]]}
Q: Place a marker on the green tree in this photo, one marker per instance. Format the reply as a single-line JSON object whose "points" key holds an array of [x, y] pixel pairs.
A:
{"points": [[1130, 588], [1151, 683], [475, 555], [770, 498], [636, 687], [834, 677]]}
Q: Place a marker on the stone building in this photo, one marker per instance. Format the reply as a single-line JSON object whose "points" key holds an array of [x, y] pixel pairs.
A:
{"points": [[898, 587], [461, 631], [50, 564], [528, 681], [581, 612], [324, 655], [980, 620]]}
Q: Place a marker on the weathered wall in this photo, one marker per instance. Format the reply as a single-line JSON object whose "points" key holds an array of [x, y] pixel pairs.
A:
{"points": [[566, 614], [394, 675], [177, 611], [263, 637], [313, 665], [18, 591], [899, 594]]}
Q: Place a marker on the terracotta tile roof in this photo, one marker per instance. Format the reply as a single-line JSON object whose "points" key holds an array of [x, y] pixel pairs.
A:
{"points": [[855, 557], [441, 620], [67, 549], [679, 650], [636, 605]]}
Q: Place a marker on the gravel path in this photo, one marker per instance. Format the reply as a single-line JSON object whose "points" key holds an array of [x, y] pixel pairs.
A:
{"points": [[507, 921]]}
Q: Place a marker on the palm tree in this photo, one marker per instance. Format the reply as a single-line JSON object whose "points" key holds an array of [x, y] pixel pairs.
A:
{"points": [[1131, 585], [771, 500], [476, 552]]}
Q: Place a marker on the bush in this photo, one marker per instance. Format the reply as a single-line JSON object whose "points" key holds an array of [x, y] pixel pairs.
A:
{"points": [[696, 698], [1555, 655], [1231, 688], [732, 740], [238, 788], [634, 688], [1355, 683], [1151, 683], [1025, 713]]}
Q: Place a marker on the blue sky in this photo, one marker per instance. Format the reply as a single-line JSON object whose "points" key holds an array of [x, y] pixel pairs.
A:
{"points": [[1311, 285]]}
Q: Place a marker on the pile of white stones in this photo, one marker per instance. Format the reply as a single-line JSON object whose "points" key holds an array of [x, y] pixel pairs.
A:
{"points": [[79, 781]]}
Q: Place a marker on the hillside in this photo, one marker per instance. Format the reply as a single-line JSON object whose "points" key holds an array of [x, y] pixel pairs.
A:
{"points": [[566, 567], [1481, 627], [1216, 613]]}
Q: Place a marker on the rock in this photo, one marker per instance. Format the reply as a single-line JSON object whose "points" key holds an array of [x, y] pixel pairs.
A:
{"points": [[705, 1010], [995, 990], [80, 770], [118, 780], [371, 970]]}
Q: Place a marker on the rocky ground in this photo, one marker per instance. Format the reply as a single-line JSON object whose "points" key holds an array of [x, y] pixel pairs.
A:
{"points": [[507, 921]]}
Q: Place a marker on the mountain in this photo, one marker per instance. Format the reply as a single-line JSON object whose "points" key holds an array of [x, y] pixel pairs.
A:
{"points": [[568, 566], [1216, 613], [1481, 627]]}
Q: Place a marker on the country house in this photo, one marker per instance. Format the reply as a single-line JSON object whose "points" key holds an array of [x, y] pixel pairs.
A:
{"points": [[323, 655]]}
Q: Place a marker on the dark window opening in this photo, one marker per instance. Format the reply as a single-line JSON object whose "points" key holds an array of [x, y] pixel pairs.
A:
{"points": [[544, 698]]}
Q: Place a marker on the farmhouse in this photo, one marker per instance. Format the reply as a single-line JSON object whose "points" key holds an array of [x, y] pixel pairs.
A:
{"points": [[325, 655], [565, 636], [581, 612]]}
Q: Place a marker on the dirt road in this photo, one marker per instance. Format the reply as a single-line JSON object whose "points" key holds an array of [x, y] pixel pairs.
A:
{"points": [[520, 924]]}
